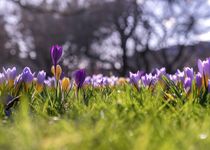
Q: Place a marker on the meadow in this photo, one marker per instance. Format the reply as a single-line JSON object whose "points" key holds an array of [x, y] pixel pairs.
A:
{"points": [[144, 111]]}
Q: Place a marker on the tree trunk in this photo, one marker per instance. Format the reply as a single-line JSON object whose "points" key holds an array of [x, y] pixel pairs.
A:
{"points": [[124, 58]]}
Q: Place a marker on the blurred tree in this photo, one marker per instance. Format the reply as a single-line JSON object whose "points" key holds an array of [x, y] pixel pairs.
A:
{"points": [[144, 34], [125, 19], [3, 40], [179, 24], [7, 48]]}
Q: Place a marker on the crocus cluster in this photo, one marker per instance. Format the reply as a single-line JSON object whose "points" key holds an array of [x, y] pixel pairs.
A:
{"points": [[102, 81], [151, 79], [140, 78], [33, 83], [184, 78], [28, 79], [188, 76], [78, 76]]}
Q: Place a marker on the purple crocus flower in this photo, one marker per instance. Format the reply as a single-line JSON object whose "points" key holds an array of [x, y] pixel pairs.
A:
{"points": [[173, 78], [26, 75], [88, 80], [79, 77], [96, 80], [135, 77], [209, 86], [10, 74], [187, 84], [198, 80], [189, 72], [18, 80], [200, 66], [147, 80], [41, 77], [204, 66], [180, 75], [50, 82], [113, 80], [2, 78], [105, 81], [160, 72], [56, 52]]}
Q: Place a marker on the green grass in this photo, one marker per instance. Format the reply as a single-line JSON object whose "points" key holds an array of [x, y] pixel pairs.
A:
{"points": [[111, 118]]}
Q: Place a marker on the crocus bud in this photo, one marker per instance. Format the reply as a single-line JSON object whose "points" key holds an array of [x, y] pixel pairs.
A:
{"points": [[41, 77], [2, 78], [147, 80], [10, 75], [40, 80], [88, 80], [160, 73], [187, 84], [27, 75], [50, 82], [79, 77], [56, 53], [198, 80], [134, 78], [204, 67], [189, 72], [65, 84], [208, 86], [181, 76], [200, 66], [57, 72], [173, 78]]}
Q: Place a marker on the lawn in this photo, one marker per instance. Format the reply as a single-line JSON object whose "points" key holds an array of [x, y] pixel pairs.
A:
{"points": [[119, 117]]}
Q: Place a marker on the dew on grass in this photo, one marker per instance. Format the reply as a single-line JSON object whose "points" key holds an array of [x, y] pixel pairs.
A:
{"points": [[203, 136], [102, 114], [55, 118], [4, 121]]}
